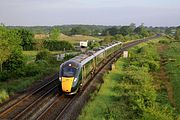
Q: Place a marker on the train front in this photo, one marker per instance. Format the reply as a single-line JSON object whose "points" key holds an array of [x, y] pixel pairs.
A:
{"points": [[69, 77]]}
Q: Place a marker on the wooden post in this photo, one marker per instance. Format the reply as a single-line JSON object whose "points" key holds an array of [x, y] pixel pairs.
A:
{"points": [[112, 67]]}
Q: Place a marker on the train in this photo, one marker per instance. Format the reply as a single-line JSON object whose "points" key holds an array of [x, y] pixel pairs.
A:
{"points": [[76, 72]]}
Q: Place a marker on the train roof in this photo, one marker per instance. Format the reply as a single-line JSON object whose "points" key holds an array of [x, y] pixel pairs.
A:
{"points": [[84, 58]]}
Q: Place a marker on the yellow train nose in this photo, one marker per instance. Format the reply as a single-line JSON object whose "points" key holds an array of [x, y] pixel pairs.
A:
{"points": [[67, 83]]}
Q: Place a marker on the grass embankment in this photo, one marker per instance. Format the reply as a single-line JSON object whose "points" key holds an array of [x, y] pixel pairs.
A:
{"points": [[172, 58], [72, 39], [129, 91]]}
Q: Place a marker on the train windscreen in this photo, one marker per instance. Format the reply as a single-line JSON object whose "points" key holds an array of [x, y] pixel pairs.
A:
{"points": [[68, 71]]}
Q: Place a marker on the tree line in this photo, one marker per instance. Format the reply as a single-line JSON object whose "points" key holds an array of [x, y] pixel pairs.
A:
{"points": [[92, 30]]}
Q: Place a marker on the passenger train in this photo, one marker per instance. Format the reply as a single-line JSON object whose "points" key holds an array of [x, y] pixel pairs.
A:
{"points": [[76, 72]]}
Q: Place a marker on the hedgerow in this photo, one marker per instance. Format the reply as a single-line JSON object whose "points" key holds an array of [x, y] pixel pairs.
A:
{"points": [[137, 87]]}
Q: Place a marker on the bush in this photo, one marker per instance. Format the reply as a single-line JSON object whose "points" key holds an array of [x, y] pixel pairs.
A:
{"points": [[15, 61], [33, 69], [54, 45], [3, 95], [4, 76], [164, 41], [43, 55]]}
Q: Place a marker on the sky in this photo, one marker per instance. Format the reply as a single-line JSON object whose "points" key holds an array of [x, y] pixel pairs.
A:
{"points": [[92, 12]]}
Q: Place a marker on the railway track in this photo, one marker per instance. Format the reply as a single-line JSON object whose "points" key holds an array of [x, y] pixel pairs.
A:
{"points": [[20, 107], [44, 103]]}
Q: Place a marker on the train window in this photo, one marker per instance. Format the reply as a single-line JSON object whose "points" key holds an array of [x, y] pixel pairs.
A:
{"points": [[68, 71]]}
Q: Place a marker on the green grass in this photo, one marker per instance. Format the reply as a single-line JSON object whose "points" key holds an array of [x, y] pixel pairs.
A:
{"points": [[30, 56], [173, 68]]}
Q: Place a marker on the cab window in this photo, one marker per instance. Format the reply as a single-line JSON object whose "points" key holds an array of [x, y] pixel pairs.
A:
{"points": [[68, 71]]}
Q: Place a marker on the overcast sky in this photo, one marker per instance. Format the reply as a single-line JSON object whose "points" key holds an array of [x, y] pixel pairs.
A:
{"points": [[99, 12]]}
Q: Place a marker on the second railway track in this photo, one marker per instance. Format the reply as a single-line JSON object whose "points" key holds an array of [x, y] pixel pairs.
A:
{"points": [[17, 108]]}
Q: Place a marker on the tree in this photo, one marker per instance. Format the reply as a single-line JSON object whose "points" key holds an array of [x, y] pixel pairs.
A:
{"points": [[94, 44], [141, 30], [119, 37], [168, 31], [107, 39], [54, 34], [5, 52], [14, 62], [10, 49], [177, 34], [79, 31], [27, 39], [112, 31], [125, 30]]}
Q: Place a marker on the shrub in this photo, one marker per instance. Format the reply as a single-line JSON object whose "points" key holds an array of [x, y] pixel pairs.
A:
{"points": [[4, 76], [15, 61], [57, 45], [164, 41], [32, 69], [3, 95], [43, 55]]}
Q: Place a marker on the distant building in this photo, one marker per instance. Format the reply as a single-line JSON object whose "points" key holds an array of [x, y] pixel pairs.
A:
{"points": [[99, 34], [84, 44]]}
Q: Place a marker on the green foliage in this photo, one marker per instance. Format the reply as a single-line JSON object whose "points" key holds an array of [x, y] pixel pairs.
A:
{"points": [[126, 30], [5, 52], [54, 34], [177, 34], [33, 69], [168, 31], [43, 55], [119, 37], [164, 41], [94, 44], [3, 95], [79, 31], [11, 55], [68, 56], [14, 62], [111, 31], [141, 30], [54, 45], [27, 39], [173, 69], [108, 39], [4, 76], [145, 57]]}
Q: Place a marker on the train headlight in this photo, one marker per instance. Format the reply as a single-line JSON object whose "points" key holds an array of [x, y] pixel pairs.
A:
{"points": [[75, 82], [75, 79], [60, 79]]}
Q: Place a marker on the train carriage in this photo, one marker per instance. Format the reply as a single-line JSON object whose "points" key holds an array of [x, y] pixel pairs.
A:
{"points": [[75, 72]]}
